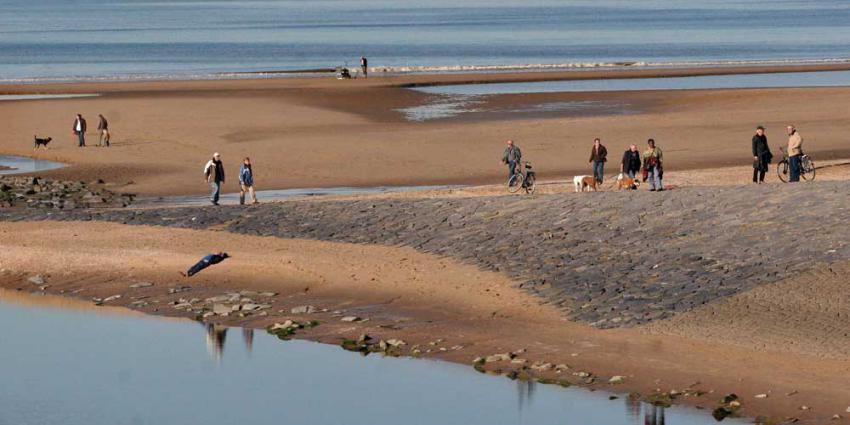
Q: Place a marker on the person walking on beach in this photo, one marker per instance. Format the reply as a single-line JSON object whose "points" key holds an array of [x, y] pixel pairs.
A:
{"points": [[512, 156], [795, 153], [630, 164], [364, 66], [653, 166], [246, 182], [103, 127], [79, 130], [214, 173], [761, 155], [598, 156]]}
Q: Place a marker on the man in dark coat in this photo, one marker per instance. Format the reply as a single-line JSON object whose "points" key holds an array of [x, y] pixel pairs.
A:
{"points": [[598, 156], [630, 164], [79, 130], [761, 155]]}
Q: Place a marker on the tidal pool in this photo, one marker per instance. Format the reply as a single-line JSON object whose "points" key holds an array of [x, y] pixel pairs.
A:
{"points": [[22, 164], [93, 366]]}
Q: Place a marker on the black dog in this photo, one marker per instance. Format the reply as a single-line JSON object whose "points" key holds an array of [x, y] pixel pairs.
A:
{"points": [[41, 142]]}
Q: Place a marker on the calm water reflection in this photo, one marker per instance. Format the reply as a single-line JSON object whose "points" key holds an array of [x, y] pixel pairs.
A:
{"points": [[85, 367]]}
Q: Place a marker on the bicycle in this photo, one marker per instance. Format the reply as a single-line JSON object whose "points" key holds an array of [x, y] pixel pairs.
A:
{"points": [[523, 180], [807, 167]]}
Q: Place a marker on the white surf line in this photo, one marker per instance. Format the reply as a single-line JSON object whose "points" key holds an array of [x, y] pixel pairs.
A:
{"points": [[14, 97]]}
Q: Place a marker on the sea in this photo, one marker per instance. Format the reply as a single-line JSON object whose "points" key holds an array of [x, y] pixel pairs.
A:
{"points": [[81, 40]]}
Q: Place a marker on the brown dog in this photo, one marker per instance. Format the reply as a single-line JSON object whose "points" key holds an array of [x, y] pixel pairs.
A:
{"points": [[626, 182]]}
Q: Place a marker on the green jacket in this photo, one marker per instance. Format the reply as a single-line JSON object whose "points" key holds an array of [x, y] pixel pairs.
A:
{"points": [[512, 153]]}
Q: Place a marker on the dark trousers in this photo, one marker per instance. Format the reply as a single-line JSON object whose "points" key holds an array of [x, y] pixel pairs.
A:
{"points": [[760, 168], [511, 169], [200, 265], [82, 138], [794, 163]]}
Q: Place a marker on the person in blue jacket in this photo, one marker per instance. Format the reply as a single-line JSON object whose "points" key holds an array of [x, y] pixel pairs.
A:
{"points": [[246, 182], [205, 262]]}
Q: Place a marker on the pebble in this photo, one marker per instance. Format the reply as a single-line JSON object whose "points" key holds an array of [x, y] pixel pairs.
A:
{"points": [[761, 396], [141, 285], [36, 280], [617, 379], [350, 319]]}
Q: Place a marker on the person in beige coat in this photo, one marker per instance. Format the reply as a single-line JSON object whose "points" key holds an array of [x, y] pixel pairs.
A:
{"points": [[795, 153]]}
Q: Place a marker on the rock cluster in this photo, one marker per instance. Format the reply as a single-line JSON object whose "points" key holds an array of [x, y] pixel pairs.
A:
{"points": [[42, 193]]}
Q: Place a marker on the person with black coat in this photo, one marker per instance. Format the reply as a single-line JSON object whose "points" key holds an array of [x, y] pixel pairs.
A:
{"points": [[761, 155], [598, 157], [630, 165]]}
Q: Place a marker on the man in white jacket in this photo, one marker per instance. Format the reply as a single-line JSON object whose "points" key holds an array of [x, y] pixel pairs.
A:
{"points": [[214, 174]]}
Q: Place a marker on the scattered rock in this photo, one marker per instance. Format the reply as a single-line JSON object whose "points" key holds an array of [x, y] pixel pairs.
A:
{"points": [[395, 343], [112, 298], [503, 357], [350, 319], [221, 309], [178, 289], [303, 309], [141, 285], [617, 379], [36, 280], [761, 395]]}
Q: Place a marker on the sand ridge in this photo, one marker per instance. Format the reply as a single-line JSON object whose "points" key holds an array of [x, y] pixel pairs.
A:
{"points": [[432, 298]]}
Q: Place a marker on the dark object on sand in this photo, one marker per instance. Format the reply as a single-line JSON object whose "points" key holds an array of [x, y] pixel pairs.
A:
{"points": [[41, 142], [205, 262], [342, 73]]}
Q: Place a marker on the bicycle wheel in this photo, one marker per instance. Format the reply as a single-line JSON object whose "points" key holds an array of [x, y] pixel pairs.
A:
{"points": [[515, 183], [807, 171], [782, 170], [529, 184]]}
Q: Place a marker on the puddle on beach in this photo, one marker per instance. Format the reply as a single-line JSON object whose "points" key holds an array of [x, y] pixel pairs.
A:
{"points": [[21, 164], [286, 194], [8, 97], [470, 99], [731, 81], [91, 366]]}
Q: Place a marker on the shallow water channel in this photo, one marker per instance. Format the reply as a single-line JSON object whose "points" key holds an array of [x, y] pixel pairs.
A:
{"points": [[64, 362], [22, 164], [275, 195]]}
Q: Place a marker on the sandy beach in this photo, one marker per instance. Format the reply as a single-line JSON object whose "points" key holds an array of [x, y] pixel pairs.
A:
{"points": [[320, 132], [784, 336]]}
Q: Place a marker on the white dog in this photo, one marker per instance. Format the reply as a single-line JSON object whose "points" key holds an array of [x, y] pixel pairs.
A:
{"points": [[582, 182]]}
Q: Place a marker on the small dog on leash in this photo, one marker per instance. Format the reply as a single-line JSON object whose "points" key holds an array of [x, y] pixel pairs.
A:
{"points": [[626, 182], [582, 182], [41, 142]]}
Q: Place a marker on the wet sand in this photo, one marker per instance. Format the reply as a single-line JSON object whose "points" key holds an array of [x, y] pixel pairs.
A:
{"points": [[320, 132], [419, 298]]}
